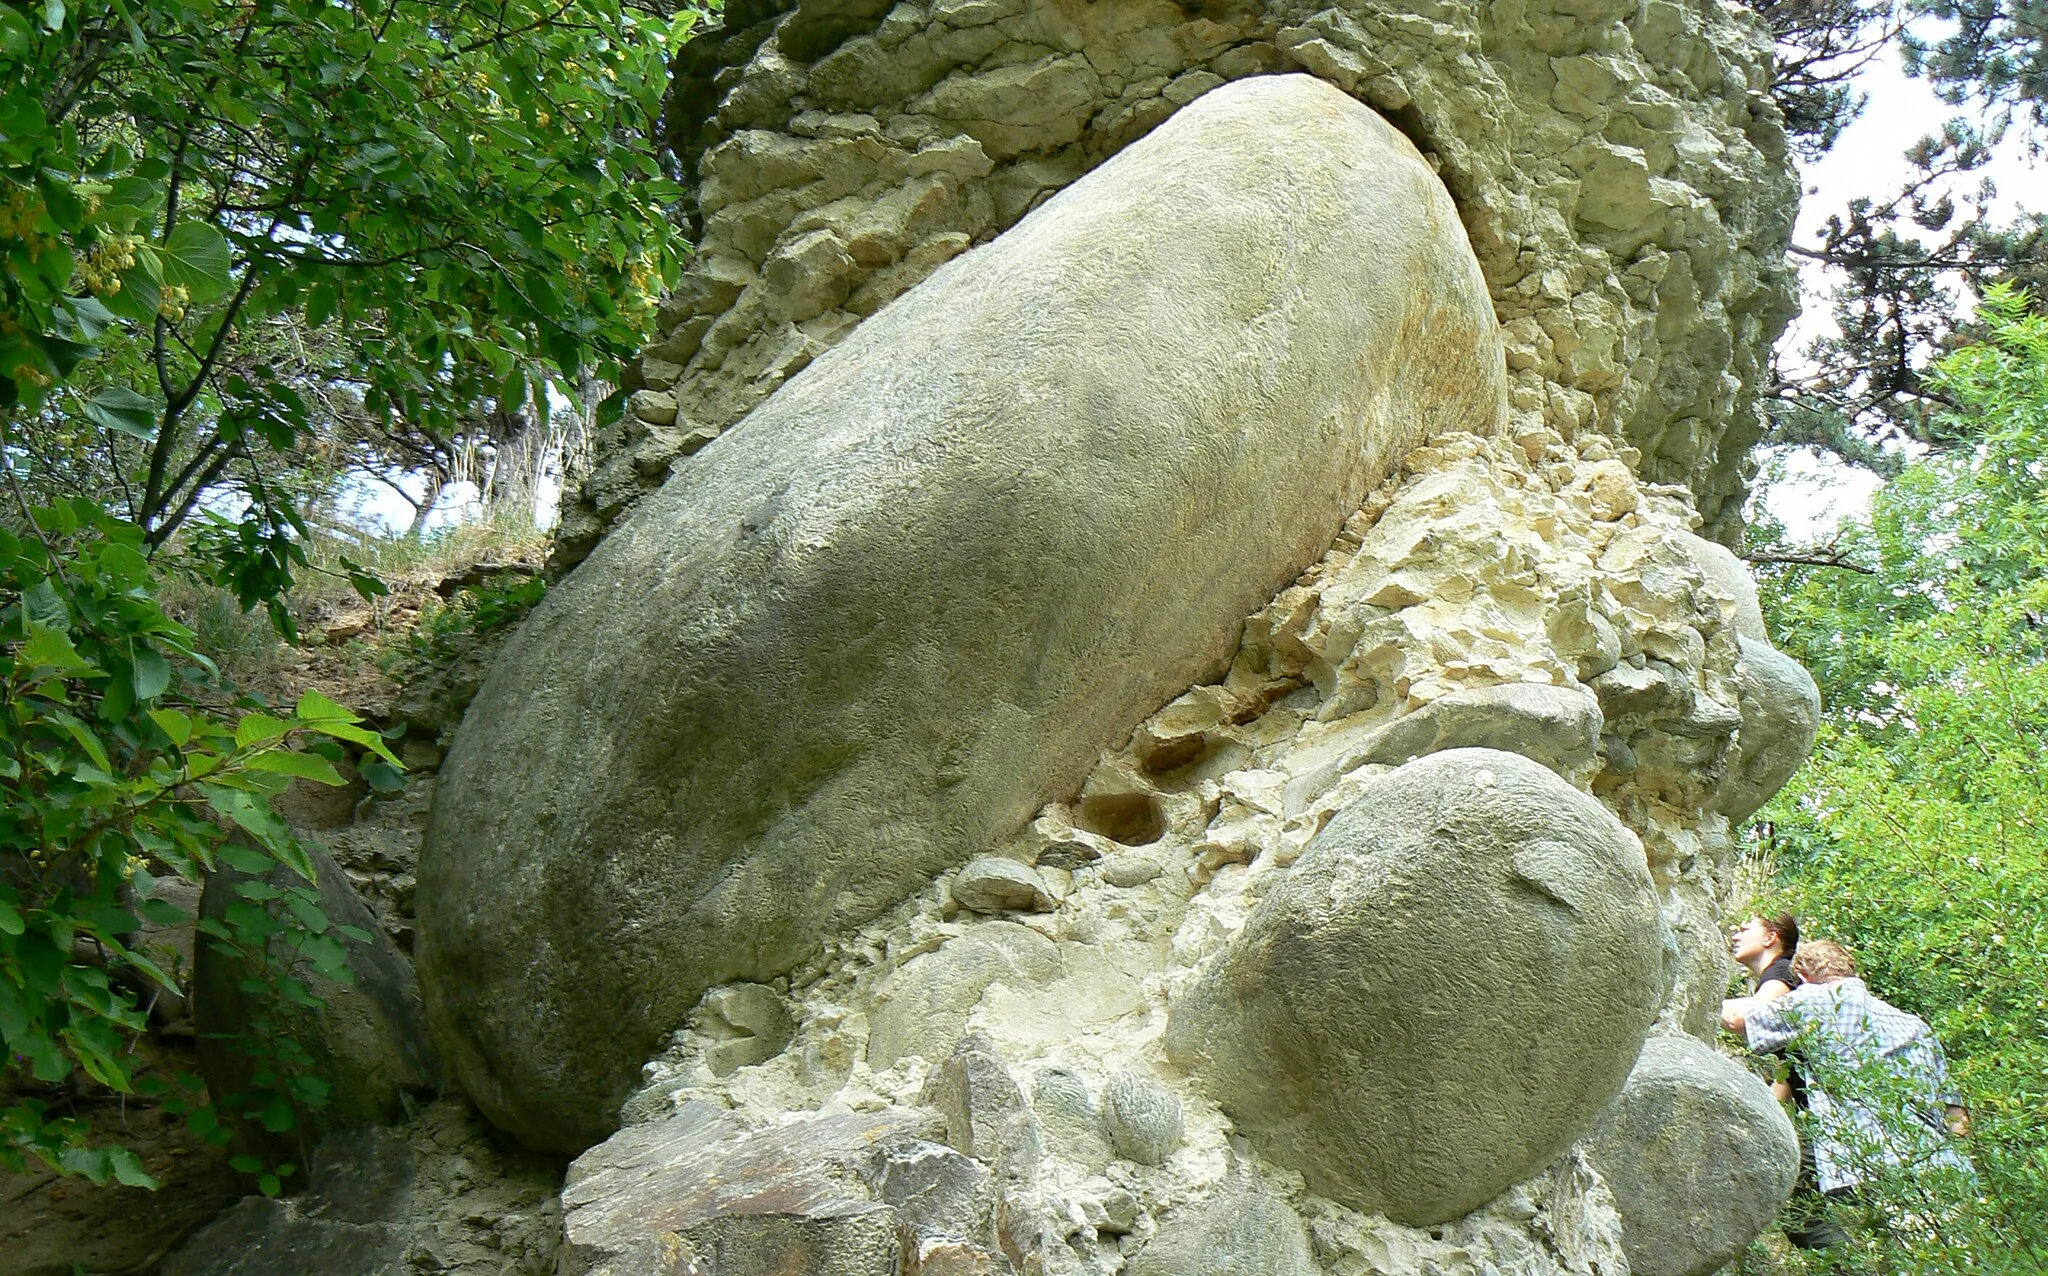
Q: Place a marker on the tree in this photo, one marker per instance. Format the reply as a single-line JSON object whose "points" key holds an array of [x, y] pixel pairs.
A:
{"points": [[1895, 261], [1918, 832], [218, 212], [243, 237]]}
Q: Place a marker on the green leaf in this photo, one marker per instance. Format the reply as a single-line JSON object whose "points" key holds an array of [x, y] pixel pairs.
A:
{"points": [[16, 36], [45, 606], [314, 707], [259, 728], [173, 723], [310, 915], [128, 1169], [141, 294], [381, 776], [152, 673], [122, 410], [10, 920], [53, 15], [52, 649], [305, 766], [196, 259]]}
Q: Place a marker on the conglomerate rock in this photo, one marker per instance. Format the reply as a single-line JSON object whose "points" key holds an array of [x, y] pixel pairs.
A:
{"points": [[1485, 564], [1540, 589], [873, 631], [1619, 165]]}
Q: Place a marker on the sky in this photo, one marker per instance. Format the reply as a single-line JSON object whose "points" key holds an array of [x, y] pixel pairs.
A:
{"points": [[1869, 159]]}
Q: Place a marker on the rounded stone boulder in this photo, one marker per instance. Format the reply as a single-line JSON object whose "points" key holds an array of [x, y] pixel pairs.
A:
{"points": [[1699, 1157], [865, 634], [1443, 993], [1780, 716]]}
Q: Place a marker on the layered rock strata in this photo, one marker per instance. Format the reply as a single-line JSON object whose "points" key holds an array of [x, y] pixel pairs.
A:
{"points": [[874, 630], [1618, 165]]}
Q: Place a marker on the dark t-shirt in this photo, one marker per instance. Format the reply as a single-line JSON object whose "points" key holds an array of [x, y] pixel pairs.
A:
{"points": [[1782, 969]]}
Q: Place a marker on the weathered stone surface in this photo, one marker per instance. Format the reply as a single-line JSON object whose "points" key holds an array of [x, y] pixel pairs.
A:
{"points": [[988, 1118], [938, 1193], [1517, 960], [1070, 1119], [1142, 1117], [1557, 726], [1622, 170], [1241, 1229], [922, 1008], [433, 1196], [752, 1022], [369, 1038], [861, 638], [1729, 576], [992, 884], [699, 1188], [1699, 1156], [1780, 714]]}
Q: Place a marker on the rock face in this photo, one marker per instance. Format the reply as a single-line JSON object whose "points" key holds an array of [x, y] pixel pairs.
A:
{"points": [[1780, 714], [1442, 994], [1618, 163], [369, 1038], [435, 1196], [872, 632], [1699, 1156]]}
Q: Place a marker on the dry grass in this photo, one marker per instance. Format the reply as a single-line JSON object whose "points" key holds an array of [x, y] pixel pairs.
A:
{"points": [[348, 646]]}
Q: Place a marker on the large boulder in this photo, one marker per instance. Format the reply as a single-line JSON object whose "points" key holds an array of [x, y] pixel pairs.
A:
{"points": [[870, 631], [1442, 994], [1699, 1157]]}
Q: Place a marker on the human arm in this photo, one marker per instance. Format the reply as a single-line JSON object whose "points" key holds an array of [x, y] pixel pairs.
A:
{"points": [[1767, 1025]]}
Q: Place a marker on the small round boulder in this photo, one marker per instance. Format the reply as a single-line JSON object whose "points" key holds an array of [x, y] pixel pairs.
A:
{"points": [[1780, 716], [1445, 991], [1699, 1157]]}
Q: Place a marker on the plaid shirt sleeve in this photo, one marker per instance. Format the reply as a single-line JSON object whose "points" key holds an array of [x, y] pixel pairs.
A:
{"points": [[1773, 1025]]}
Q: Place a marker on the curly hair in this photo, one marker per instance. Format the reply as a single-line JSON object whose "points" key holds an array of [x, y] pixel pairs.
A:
{"points": [[1820, 960]]}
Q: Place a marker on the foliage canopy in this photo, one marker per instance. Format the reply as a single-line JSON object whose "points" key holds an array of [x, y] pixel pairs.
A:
{"points": [[1918, 831]]}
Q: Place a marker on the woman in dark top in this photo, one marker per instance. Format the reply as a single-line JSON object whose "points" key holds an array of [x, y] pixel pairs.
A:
{"points": [[1765, 946]]}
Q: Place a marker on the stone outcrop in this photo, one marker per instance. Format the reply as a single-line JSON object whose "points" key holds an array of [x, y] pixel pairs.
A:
{"points": [[1699, 1155], [1618, 163], [869, 634], [1472, 608], [435, 1195], [368, 1034], [1023, 357], [1449, 985], [1780, 714]]}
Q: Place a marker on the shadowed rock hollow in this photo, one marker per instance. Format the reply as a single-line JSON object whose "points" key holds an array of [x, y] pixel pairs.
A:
{"points": [[873, 631]]}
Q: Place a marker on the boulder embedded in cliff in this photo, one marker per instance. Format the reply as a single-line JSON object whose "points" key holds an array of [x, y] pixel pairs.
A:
{"points": [[870, 631], [1445, 990], [1780, 715], [1699, 1157]]}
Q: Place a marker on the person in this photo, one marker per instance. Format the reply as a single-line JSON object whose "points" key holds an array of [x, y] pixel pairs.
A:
{"points": [[1876, 1079], [1764, 946]]}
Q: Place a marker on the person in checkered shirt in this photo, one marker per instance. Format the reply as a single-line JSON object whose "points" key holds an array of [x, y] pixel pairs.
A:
{"points": [[1877, 1088]]}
